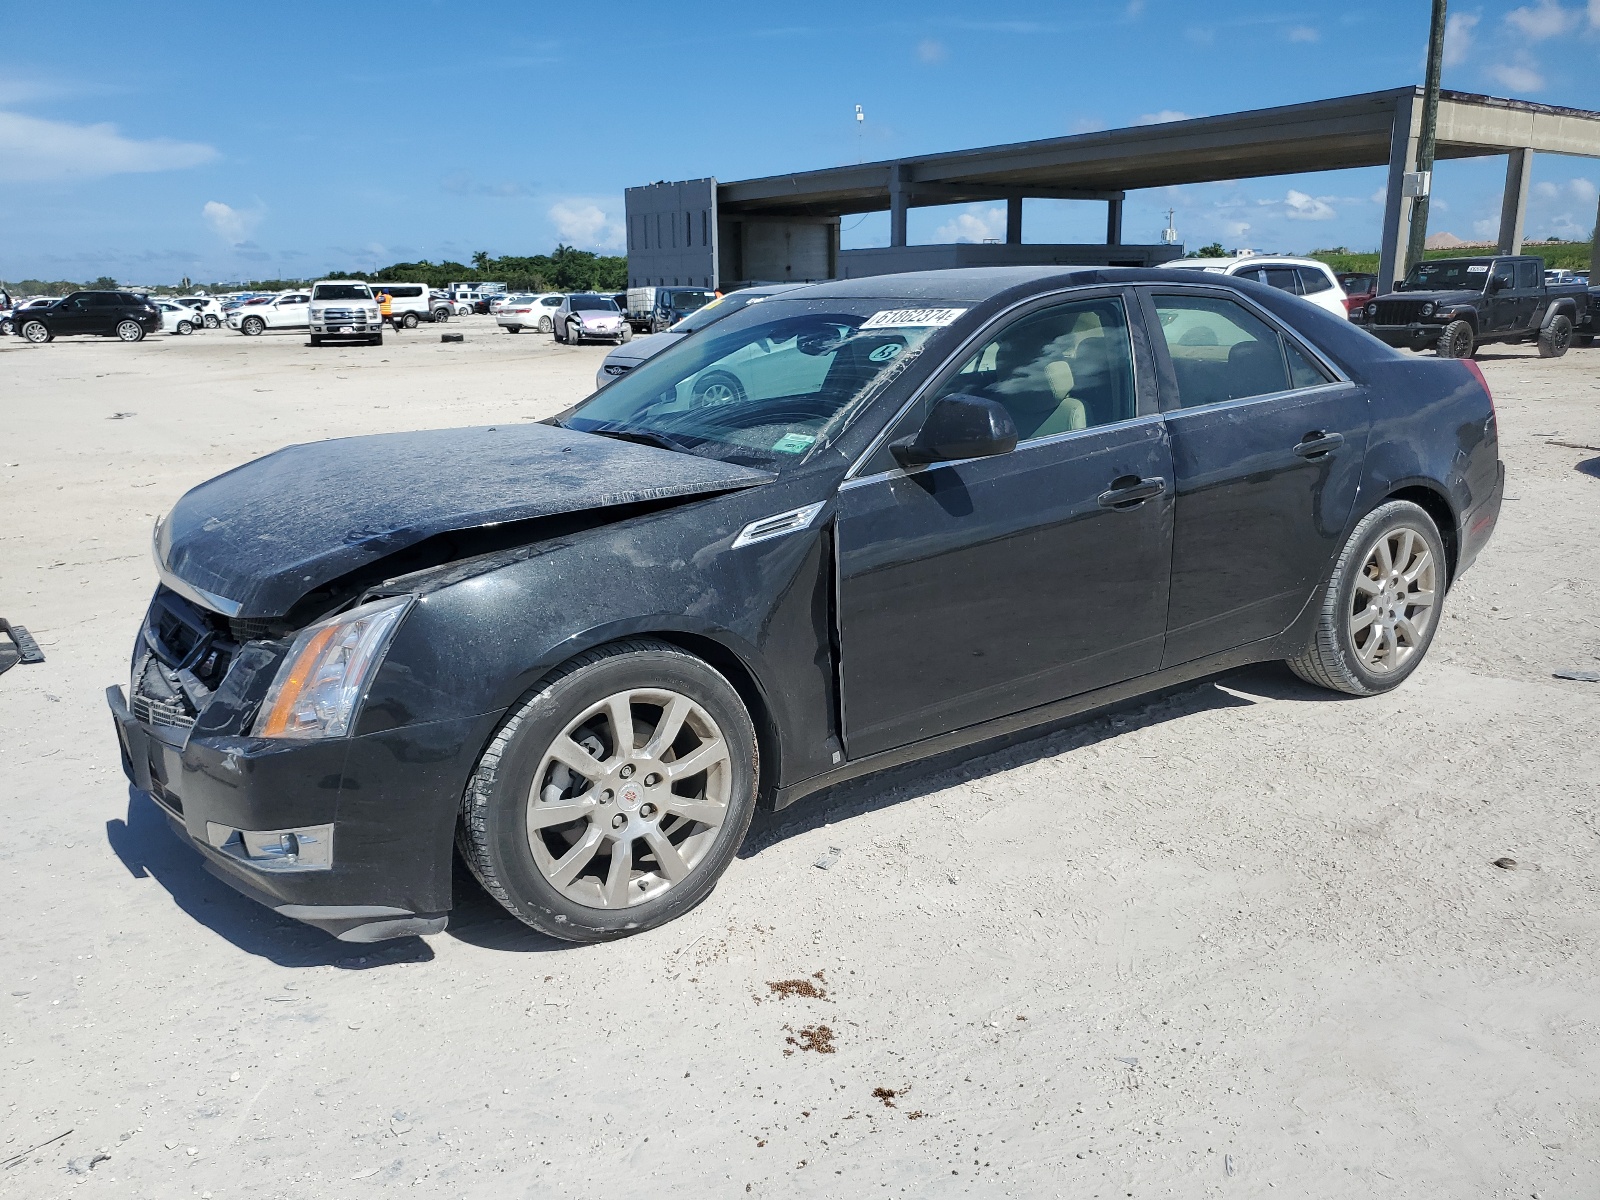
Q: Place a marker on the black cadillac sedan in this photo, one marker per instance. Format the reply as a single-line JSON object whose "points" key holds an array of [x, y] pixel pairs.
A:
{"points": [[855, 525]]}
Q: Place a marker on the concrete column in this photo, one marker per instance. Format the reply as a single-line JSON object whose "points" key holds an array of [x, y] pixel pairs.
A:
{"points": [[1406, 132], [1514, 202], [1014, 221], [1113, 222], [1594, 249], [899, 194]]}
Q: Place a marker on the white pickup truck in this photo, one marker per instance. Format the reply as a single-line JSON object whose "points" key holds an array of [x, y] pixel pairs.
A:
{"points": [[344, 309]]}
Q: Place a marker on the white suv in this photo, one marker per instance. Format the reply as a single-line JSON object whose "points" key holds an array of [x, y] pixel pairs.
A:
{"points": [[1302, 276], [288, 311], [344, 308]]}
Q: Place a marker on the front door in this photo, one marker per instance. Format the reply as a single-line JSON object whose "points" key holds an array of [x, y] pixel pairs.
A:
{"points": [[1267, 449], [975, 589], [72, 314]]}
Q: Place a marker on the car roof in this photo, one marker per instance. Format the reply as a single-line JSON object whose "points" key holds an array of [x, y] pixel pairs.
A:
{"points": [[1190, 264]]}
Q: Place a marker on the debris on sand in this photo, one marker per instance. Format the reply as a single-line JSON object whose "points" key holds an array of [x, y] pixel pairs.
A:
{"points": [[816, 1038], [885, 1096], [1506, 864], [798, 987]]}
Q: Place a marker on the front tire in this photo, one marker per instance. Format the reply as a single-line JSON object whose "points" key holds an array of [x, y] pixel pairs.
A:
{"points": [[574, 334], [130, 331], [1456, 340], [409, 320], [1381, 606], [37, 332], [252, 327], [1555, 337], [626, 335], [586, 833], [315, 340]]}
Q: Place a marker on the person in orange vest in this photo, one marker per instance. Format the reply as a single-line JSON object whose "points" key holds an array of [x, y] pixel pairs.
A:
{"points": [[386, 310]]}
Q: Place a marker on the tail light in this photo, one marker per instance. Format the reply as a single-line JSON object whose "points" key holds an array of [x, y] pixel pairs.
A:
{"points": [[1477, 372]]}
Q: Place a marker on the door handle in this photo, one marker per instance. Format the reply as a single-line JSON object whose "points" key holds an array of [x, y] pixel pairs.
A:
{"points": [[1129, 491], [1318, 444]]}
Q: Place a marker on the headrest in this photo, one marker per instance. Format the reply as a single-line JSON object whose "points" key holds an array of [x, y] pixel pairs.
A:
{"points": [[1059, 374]]}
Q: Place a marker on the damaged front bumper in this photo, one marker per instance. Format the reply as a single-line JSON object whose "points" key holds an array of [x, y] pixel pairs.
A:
{"points": [[353, 835]]}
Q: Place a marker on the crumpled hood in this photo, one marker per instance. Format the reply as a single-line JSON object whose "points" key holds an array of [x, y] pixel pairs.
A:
{"points": [[599, 318], [263, 535]]}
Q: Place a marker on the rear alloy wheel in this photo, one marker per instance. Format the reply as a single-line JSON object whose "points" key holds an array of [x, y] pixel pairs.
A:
{"points": [[36, 332], [130, 331], [513, 328], [441, 314], [1381, 606], [716, 387], [1455, 341], [1555, 337], [544, 324], [185, 328], [612, 797], [252, 326], [211, 321]]}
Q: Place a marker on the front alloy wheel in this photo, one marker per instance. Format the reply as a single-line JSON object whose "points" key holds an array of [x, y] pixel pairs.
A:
{"points": [[36, 332], [252, 326], [614, 796]]}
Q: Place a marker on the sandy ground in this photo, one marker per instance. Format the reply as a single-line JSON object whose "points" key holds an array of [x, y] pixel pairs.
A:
{"points": [[1244, 938]]}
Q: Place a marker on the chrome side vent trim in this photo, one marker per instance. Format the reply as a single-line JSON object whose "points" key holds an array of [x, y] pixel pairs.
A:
{"points": [[776, 526]]}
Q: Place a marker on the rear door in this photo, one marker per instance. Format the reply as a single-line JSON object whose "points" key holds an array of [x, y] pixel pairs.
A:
{"points": [[972, 590], [294, 311], [1267, 446]]}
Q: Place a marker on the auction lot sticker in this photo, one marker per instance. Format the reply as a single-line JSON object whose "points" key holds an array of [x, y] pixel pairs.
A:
{"points": [[900, 318]]}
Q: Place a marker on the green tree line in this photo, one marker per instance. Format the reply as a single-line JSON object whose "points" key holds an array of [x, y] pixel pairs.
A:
{"points": [[563, 270]]}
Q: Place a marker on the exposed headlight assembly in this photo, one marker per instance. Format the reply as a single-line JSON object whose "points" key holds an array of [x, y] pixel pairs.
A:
{"points": [[1427, 308], [1372, 309], [319, 685]]}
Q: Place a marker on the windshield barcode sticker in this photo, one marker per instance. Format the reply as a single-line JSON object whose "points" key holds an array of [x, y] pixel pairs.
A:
{"points": [[899, 318], [1477, 270]]}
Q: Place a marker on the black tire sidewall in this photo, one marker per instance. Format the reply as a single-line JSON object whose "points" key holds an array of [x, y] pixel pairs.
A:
{"points": [[27, 325], [1551, 342], [1401, 513], [529, 895]]}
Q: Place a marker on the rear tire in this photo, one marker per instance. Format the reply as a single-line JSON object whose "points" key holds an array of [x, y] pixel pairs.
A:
{"points": [[130, 331], [1456, 340], [1381, 606], [623, 800], [513, 328], [185, 328], [544, 324], [441, 314], [1555, 337], [627, 334]]}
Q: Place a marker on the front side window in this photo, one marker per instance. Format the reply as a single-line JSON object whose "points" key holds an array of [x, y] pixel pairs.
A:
{"points": [[1503, 277], [767, 385], [1528, 275], [1220, 350]]}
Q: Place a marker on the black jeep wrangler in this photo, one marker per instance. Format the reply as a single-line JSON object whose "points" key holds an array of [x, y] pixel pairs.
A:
{"points": [[1454, 305]]}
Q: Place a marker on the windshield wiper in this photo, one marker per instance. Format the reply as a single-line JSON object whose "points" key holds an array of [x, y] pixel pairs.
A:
{"points": [[643, 437]]}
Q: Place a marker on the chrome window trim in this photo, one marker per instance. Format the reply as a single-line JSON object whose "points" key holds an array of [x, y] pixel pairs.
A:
{"points": [[1022, 447], [1119, 290], [1331, 385]]}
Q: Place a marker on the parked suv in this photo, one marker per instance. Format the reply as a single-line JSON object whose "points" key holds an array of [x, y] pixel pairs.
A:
{"points": [[653, 309], [292, 310], [1299, 276], [1454, 305], [344, 308], [102, 314], [586, 315]]}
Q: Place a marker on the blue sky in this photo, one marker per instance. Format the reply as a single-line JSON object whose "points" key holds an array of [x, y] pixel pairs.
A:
{"points": [[288, 138]]}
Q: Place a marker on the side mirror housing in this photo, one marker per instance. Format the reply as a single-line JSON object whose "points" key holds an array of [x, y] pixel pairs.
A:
{"points": [[959, 426]]}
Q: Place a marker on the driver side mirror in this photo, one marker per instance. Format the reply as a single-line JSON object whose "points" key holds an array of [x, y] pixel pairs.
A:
{"points": [[1498, 282], [959, 426]]}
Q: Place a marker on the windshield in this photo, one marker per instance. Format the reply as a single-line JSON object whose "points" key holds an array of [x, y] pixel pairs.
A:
{"points": [[594, 304], [1355, 285], [341, 291], [768, 384], [1447, 275]]}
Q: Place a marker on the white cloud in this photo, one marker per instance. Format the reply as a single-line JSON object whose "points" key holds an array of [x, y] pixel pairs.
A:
{"points": [[984, 225], [1235, 229], [232, 225], [1546, 190], [1381, 196], [1518, 77], [1546, 19], [1298, 206], [1458, 37], [586, 225], [1489, 227], [1594, 14], [1135, 8], [931, 52], [33, 150], [1304, 33], [1162, 117], [1095, 124]]}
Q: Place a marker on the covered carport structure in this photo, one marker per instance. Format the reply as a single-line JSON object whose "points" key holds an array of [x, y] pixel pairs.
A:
{"points": [[786, 227]]}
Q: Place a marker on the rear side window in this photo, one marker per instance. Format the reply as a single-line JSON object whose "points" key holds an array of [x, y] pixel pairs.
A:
{"points": [[1313, 281], [1528, 274], [1222, 351], [1285, 279]]}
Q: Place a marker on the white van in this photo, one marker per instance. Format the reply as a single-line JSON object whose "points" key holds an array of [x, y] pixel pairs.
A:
{"points": [[412, 302]]}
